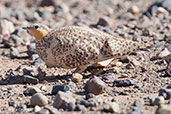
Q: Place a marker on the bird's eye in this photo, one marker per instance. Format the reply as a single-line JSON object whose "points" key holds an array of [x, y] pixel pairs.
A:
{"points": [[36, 26]]}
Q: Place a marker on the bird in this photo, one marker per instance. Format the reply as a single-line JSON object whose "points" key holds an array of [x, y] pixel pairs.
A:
{"points": [[78, 47]]}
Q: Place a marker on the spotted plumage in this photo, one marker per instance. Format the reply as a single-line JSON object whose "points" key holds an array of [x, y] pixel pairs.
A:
{"points": [[78, 47]]}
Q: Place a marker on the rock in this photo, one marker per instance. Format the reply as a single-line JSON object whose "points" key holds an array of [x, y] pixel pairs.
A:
{"points": [[36, 108], [82, 101], [163, 53], [48, 110], [38, 62], [144, 22], [166, 93], [125, 59], [168, 69], [64, 100], [112, 107], [89, 95], [166, 4], [108, 77], [34, 57], [44, 3], [135, 111], [80, 108], [161, 10], [93, 102], [95, 86], [25, 36], [31, 49], [31, 91], [124, 83], [103, 63], [20, 107], [157, 101], [134, 9], [6, 27], [30, 79], [164, 109], [12, 103], [76, 77], [104, 21], [139, 103], [38, 99], [58, 88], [12, 41], [14, 53]]}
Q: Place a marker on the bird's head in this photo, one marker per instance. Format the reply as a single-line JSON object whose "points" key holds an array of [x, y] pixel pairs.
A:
{"points": [[38, 30]]}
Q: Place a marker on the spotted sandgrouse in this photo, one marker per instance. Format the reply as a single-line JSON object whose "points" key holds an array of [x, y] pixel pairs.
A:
{"points": [[78, 47]]}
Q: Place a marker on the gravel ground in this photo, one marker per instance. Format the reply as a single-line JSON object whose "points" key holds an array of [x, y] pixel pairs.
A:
{"points": [[134, 84]]}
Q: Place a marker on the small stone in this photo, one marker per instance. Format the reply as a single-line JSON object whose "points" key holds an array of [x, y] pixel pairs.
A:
{"points": [[31, 91], [14, 53], [83, 102], [93, 102], [104, 21], [125, 59], [168, 69], [89, 95], [37, 108], [95, 86], [163, 53], [12, 103], [43, 88], [34, 57], [12, 41], [80, 108], [161, 10], [31, 49], [139, 103], [6, 27], [38, 62], [103, 63], [44, 3], [21, 107], [166, 93], [157, 101], [134, 9], [124, 83], [76, 77], [39, 99], [49, 110], [30, 79], [144, 22], [135, 111], [58, 88], [108, 77], [112, 107], [64, 100], [164, 109]]}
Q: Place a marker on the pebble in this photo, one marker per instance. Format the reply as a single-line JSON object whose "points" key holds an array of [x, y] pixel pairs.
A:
{"points": [[30, 79], [37, 108], [12, 41], [14, 53], [166, 4], [166, 93], [20, 107], [125, 59], [64, 100], [104, 21], [79, 107], [124, 83], [49, 110], [83, 102], [76, 77], [93, 102], [108, 77], [95, 86], [139, 103], [38, 99], [135, 111], [31, 91], [164, 109], [89, 95], [161, 10], [31, 49], [163, 53], [6, 27], [157, 101], [12, 103], [134, 9], [57, 88], [112, 107]]}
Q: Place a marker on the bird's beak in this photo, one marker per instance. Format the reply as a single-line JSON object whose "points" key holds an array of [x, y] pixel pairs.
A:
{"points": [[26, 28]]}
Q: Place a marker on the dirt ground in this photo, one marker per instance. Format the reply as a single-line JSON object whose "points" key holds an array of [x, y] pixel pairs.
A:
{"points": [[128, 19]]}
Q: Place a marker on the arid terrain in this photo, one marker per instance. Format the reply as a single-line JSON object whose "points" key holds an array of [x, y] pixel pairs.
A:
{"points": [[139, 83]]}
